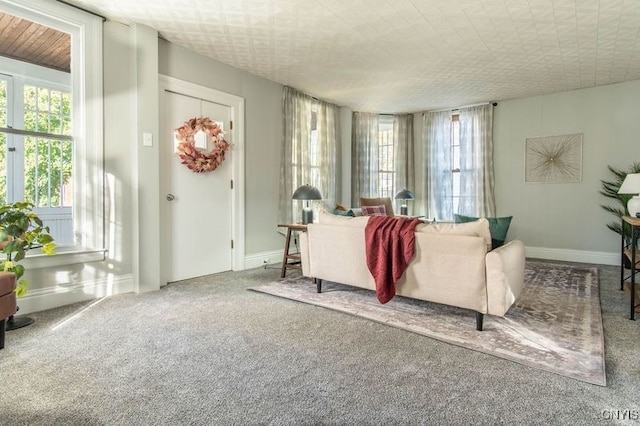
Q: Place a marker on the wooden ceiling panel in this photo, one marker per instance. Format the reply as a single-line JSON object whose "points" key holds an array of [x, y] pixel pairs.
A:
{"points": [[34, 43]]}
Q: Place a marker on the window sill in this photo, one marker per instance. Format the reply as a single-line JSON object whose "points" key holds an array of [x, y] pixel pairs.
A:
{"points": [[63, 257]]}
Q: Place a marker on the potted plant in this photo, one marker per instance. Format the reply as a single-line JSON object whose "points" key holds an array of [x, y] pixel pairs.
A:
{"points": [[20, 231], [610, 190]]}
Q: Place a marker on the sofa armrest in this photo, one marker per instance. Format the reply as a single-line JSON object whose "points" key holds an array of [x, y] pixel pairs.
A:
{"points": [[505, 276], [304, 254]]}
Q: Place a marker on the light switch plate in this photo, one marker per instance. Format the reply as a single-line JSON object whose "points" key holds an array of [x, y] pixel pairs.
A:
{"points": [[147, 139]]}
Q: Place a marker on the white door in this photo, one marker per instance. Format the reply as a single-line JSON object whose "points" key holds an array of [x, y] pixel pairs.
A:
{"points": [[197, 206]]}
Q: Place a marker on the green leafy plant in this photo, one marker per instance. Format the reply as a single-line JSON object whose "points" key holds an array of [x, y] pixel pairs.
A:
{"points": [[610, 190], [20, 231]]}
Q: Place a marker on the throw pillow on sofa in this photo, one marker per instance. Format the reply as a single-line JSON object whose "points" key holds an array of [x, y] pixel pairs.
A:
{"points": [[344, 212], [385, 201], [498, 226], [374, 210], [478, 228], [327, 218]]}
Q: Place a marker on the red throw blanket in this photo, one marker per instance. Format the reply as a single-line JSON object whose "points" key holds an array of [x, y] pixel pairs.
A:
{"points": [[390, 245]]}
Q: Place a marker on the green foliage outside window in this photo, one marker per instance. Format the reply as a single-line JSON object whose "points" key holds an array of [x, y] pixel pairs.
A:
{"points": [[47, 162]]}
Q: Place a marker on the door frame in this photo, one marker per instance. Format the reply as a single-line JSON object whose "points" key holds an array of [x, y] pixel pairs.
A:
{"points": [[236, 104]]}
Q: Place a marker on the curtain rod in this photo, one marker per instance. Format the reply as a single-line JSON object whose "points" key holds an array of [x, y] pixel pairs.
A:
{"points": [[83, 9], [466, 106]]}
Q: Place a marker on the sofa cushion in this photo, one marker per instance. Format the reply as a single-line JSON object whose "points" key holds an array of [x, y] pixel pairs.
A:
{"points": [[477, 228], [385, 201], [326, 218], [498, 227], [339, 212], [374, 210]]}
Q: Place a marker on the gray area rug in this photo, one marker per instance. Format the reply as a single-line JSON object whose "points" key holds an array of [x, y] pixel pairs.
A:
{"points": [[555, 325]]}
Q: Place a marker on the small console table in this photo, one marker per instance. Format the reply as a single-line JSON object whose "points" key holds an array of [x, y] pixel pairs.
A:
{"points": [[629, 252], [291, 260]]}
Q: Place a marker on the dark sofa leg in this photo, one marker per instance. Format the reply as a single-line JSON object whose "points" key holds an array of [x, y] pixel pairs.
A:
{"points": [[2, 328], [479, 318], [318, 285]]}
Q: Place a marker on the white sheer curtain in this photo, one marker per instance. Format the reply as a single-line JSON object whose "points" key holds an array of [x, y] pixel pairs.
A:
{"points": [[308, 151], [477, 179], [327, 119], [475, 185], [403, 145], [438, 163], [364, 156]]}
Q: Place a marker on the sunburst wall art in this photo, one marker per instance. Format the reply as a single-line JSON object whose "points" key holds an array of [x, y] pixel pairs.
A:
{"points": [[553, 159]]}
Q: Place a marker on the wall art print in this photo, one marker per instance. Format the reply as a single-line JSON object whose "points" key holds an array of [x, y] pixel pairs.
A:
{"points": [[553, 159]]}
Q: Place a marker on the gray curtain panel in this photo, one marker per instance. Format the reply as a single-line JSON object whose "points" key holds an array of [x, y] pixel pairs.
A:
{"points": [[308, 152], [364, 156], [437, 165], [476, 163], [404, 158], [477, 179]]}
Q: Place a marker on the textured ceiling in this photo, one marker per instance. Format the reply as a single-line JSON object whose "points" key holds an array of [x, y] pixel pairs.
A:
{"points": [[405, 55]]}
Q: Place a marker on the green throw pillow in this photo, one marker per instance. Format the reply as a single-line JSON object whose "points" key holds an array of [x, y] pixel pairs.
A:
{"points": [[498, 227], [344, 213]]}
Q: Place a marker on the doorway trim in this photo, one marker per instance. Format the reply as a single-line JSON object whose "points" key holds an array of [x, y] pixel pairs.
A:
{"points": [[236, 104]]}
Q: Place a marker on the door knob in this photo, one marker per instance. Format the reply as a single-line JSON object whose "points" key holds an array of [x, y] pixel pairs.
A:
{"points": [[171, 197]]}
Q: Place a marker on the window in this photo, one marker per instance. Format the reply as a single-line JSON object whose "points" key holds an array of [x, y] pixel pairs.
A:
{"points": [[314, 149], [458, 176], [382, 155], [309, 151], [37, 167], [455, 164], [306, 156], [386, 160], [52, 154]]}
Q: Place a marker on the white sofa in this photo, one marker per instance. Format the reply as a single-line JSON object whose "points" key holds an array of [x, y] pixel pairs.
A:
{"points": [[453, 263]]}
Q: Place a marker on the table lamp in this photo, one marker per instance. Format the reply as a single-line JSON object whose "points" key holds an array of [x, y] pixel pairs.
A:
{"points": [[404, 195], [631, 185], [307, 193]]}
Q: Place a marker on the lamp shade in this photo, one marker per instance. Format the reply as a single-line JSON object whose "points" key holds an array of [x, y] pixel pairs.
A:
{"points": [[631, 185], [307, 192], [405, 194]]}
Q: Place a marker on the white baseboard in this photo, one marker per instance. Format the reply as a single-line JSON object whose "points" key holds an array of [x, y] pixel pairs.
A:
{"points": [[52, 297], [583, 256], [256, 260]]}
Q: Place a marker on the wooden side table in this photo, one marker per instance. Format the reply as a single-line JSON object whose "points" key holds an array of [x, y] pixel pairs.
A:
{"points": [[291, 260], [630, 252]]}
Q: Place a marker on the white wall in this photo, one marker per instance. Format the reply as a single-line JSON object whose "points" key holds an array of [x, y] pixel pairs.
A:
{"points": [[565, 221], [64, 284], [560, 221], [145, 159], [263, 136]]}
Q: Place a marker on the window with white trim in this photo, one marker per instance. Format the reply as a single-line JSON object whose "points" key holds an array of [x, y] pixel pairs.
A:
{"points": [[314, 149], [57, 131], [37, 167], [386, 158], [456, 191]]}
